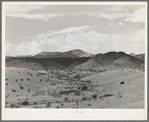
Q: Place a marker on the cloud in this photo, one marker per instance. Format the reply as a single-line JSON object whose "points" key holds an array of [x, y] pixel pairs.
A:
{"points": [[138, 16], [21, 8], [111, 13], [27, 16], [120, 23], [62, 32], [109, 16], [10, 48], [43, 17], [48, 16], [118, 8], [23, 11], [110, 24], [25, 48], [69, 30], [80, 38]]}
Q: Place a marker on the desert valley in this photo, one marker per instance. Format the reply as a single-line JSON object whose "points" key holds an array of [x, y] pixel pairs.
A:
{"points": [[75, 79]]}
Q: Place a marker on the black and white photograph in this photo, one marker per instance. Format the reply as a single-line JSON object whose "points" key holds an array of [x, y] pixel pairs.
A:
{"points": [[75, 57]]}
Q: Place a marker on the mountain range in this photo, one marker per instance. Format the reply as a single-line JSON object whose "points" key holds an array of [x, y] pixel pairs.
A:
{"points": [[76, 59]]}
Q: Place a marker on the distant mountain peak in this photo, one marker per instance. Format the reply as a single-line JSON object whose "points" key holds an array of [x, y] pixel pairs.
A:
{"points": [[72, 54], [81, 53]]}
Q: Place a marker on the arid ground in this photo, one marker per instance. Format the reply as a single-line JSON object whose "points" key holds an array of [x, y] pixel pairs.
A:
{"points": [[115, 88]]}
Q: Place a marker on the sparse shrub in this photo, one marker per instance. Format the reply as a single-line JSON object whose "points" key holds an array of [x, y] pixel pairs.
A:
{"points": [[14, 90], [66, 99], [122, 82], [21, 79], [6, 83], [28, 79], [77, 93], [84, 98], [77, 103], [6, 102], [57, 101], [48, 104], [40, 80], [106, 95], [88, 81], [12, 105], [28, 90], [84, 87], [26, 103], [35, 103], [21, 87], [94, 96], [6, 79], [16, 80], [77, 76], [89, 104]]}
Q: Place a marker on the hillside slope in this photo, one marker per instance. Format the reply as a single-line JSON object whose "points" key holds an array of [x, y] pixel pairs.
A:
{"points": [[112, 59], [112, 89], [44, 63], [141, 56]]}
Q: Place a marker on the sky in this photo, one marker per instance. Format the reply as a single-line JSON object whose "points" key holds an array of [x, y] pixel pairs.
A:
{"points": [[33, 28]]}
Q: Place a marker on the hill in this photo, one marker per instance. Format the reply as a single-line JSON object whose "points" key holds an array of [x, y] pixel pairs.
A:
{"points": [[54, 55], [112, 60], [44, 63], [140, 56], [71, 54], [80, 53]]}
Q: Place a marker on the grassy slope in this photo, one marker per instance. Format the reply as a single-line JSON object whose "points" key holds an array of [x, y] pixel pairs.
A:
{"points": [[127, 95]]}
